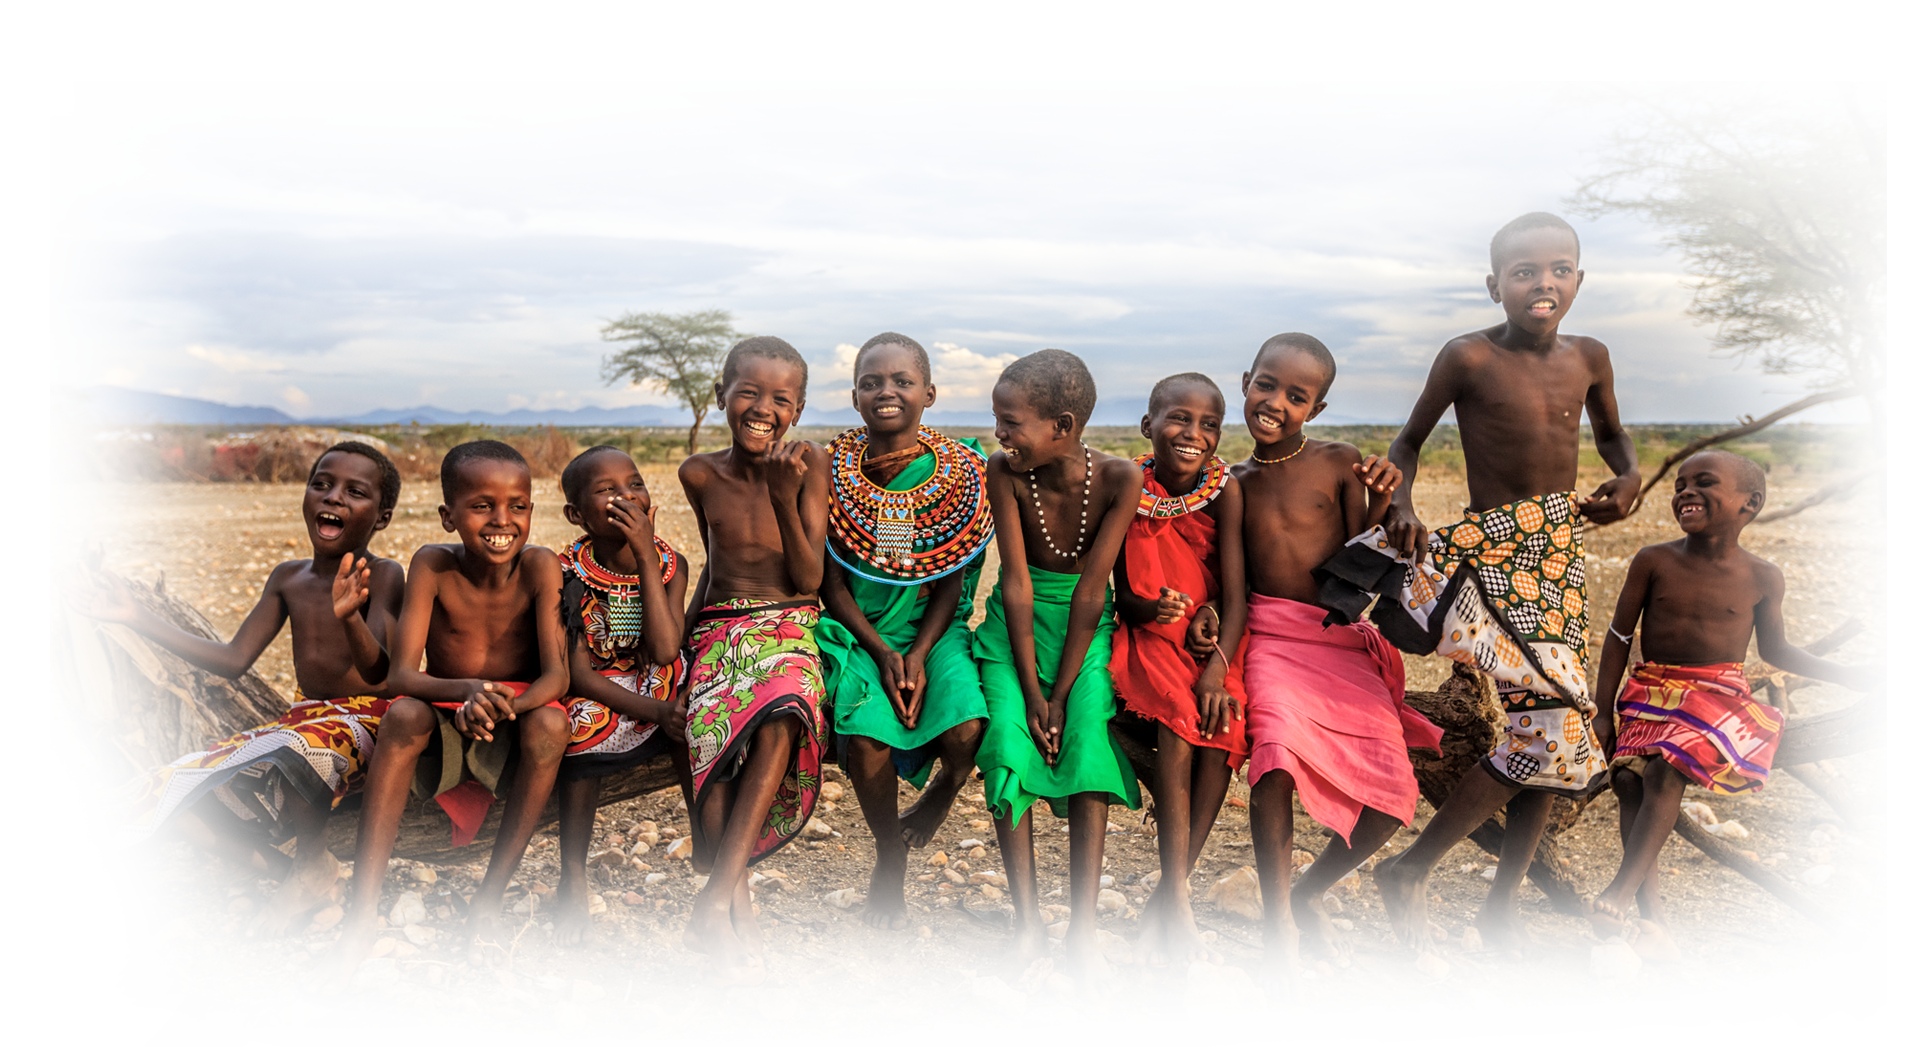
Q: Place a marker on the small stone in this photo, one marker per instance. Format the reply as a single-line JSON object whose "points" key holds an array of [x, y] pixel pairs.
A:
{"points": [[1817, 875], [818, 829], [924, 932], [968, 845], [1431, 965], [655, 878], [640, 847], [1238, 892], [168, 934], [402, 950], [991, 893], [1485, 1001], [999, 998], [423, 874], [700, 881], [1728, 830], [1114, 828], [569, 1017], [776, 1005], [1112, 901], [1489, 873], [1331, 904], [407, 909], [979, 825], [1438, 932], [1115, 949], [1470, 940], [1237, 801], [1053, 1017], [832, 791], [540, 888], [419, 933], [977, 854], [1699, 812], [381, 947], [997, 879], [596, 905], [631, 898], [612, 859], [955, 877], [1150, 880], [1302, 859], [1057, 930], [1224, 999], [680, 849], [326, 919], [1614, 960], [616, 840], [1106, 881], [1342, 924], [844, 898], [926, 877], [937, 858]]}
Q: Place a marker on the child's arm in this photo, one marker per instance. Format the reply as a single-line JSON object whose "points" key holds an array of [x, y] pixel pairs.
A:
{"points": [[379, 586], [1090, 593], [1215, 704], [108, 599], [692, 486], [942, 604], [1771, 636], [1379, 478], [841, 606], [797, 487], [1168, 607], [662, 615], [1016, 597], [1405, 532], [1615, 651], [407, 642], [543, 583], [1610, 501]]}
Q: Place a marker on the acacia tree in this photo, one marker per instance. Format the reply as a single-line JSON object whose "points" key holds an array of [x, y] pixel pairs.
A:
{"points": [[676, 353], [1782, 221]]}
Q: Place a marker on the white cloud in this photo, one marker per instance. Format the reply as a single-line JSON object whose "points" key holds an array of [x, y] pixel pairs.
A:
{"points": [[296, 397], [233, 361]]}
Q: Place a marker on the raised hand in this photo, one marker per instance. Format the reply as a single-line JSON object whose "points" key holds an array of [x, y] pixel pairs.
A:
{"points": [[1171, 607], [636, 526], [105, 597], [786, 469], [1405, 532], [1379, 475], [1610, 501], [352, 586]]}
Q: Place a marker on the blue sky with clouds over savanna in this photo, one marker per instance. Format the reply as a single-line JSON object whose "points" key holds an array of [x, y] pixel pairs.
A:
{"points": [[332, 249]]}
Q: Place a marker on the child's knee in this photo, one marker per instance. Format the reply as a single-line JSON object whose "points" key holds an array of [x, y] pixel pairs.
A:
{"points": [[543, 734], [407, 721]]}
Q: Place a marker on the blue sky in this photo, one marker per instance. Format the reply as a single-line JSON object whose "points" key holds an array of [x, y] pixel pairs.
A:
{"points": [[332, 249]]}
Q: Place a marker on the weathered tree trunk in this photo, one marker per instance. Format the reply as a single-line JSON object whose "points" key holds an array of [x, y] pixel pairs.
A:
{"points": [[133, 704]]}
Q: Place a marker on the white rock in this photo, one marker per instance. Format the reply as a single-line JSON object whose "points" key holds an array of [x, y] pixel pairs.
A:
{"points": [[700, 881], [1470, 940], [1489, 873], [832, 791], [1728, 830], [844, 898], [407, 909], [610, 858], [1431, 965], [420, 934], [640, 847], [1112, 901], [1817, 875], [1485, 1001], [1614, 960], [681, 849], [1150, 880], [596, 905], [818, 829], [327, 918], [422, 874], [1699, 812], [1117, 950], [653, 878], [1238, 892], [968, 845]]}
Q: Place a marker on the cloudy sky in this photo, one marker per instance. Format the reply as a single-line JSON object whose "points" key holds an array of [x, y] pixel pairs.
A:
{"points": [[333, 249]]}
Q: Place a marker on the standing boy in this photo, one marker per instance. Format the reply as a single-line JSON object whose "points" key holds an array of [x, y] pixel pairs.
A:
{"points": [[1505, 589], [485, 614], [909, 526], [1061, 512], [282, 779], [1181, 594], [754, 690], [1326, 703], [622, 601], [1686, 715]]}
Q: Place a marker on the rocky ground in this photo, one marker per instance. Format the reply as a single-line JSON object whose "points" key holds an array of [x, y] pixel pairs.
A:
{"points": [[215, 544]]}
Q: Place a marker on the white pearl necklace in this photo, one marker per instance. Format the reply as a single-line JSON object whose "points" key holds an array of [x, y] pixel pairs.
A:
{"points": [[1086, 499]]}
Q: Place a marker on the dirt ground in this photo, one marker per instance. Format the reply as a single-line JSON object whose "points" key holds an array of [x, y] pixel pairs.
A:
{"points": [[215, 543]]}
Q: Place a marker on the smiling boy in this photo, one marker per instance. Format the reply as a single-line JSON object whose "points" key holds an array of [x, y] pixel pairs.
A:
{"points": [[282, 779], [1686, 715], [485, 614], [754, 688]]}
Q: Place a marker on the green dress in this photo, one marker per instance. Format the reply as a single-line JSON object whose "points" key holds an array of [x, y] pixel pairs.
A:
{"points": [[1090, 757], [860, 705]]}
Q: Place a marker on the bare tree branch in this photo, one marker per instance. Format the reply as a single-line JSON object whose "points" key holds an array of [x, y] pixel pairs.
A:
{"points": [[1747, 428]]}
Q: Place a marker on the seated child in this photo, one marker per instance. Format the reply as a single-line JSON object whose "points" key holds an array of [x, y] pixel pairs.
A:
{"points": [[282, 779], [908, 528], [485, 613], [1060, 510], [1686, 715], [1326, 704], [1504, 590], [754, 689], [622, 601], [1181, 594]]}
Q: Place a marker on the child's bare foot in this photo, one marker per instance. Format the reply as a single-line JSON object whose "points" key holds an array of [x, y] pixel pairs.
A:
{"points": [[339, 962], [711, 930], [572, 925], [308, 885], [887, 894], [1609, 920], [1652, 942], [1029, 945], [1404, 893], [1151, 949], [1312, 921], [919, 822], [1084, 961], [1282, 958], [1502, 929], [1179, 937], [486, 946]]}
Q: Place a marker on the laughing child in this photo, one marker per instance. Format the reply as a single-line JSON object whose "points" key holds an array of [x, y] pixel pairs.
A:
{"points": [[1686, 715], [909, 524], [1326, 704], [485, 614], [754, 688], [1181, 594], [1060, 513], [622, 601], [295, 770]]}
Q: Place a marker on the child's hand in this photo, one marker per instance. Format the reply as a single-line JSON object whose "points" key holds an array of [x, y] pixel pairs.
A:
{"points": [[893, 680], [352, 586], [1610, 501], [913, 687], [487, 705], [1603, 735], [1046, 735], [1379, 475], [1405, 532], [634, 525], [786, 468], [1203, 633], [107, 598], [1056, 727], [673, 720], [1172, 606], [1214, 705]]}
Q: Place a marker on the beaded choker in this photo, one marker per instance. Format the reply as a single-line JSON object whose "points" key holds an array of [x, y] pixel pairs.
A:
{"points": [[1166, 506], [606, 604], [909, 536]]}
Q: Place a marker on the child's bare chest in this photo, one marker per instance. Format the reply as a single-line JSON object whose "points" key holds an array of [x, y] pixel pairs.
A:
{"points": [[1545, 392], [1710, 596]]}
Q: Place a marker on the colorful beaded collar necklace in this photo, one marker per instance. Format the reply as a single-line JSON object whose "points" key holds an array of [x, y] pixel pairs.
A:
{"points": [[622, 591], [911, 536], [1167, 506]]}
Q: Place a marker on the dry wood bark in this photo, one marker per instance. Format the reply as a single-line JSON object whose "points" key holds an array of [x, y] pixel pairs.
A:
{"points": [[133, 704], [1731, 857]]}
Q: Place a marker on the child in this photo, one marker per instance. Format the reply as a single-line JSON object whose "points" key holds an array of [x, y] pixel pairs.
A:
{"points": [[622, 598], [1326, 704], [294, 771], [1180, 592], [485, 613], [909, 524], [1505, 590], [1686, 714], [754, 690], [1061, 512]]}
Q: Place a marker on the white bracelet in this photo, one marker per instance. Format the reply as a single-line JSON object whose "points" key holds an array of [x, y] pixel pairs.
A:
{"points": [[1627, 639]]}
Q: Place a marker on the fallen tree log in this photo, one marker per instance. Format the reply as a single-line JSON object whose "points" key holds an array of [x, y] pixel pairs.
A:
{"points": [[1728, 855]]}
